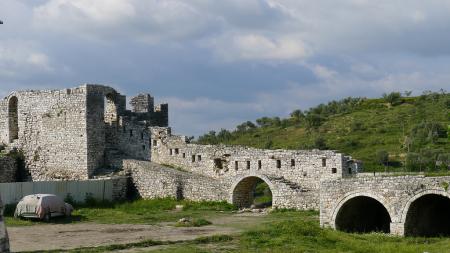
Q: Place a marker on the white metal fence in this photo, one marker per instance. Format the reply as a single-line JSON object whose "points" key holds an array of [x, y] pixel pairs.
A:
{"points": [[98, 189]]}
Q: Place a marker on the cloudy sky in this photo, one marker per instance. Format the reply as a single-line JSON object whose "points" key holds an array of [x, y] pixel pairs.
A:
{"points": [[219, 63]]}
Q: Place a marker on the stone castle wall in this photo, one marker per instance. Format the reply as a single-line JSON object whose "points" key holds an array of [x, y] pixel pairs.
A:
{"points": [[294, 175], [70, 134], [220, 161], [50, 128], [156, 181]]}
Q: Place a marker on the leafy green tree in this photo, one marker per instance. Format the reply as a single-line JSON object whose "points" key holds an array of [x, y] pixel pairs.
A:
{"points": [[264, 122], [297, 116], [246, 126], [224, 135], [209, 138], [313, 120]]}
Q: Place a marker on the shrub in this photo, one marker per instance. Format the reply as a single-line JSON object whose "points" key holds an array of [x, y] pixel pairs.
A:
{"points": [[392, 98], [427, 132], [314, 120], [320, 143], [357, 126], [351, 143], [69, 199], [382, 157]]}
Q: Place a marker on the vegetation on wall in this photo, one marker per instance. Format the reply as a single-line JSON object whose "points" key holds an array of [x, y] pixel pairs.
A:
{"points": [[394, 133]]}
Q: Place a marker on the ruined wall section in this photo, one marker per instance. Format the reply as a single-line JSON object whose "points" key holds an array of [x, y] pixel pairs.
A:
{"points": [[51, 132], [156, 181], [131, 140], [305, 168], [116, 133], [74, 133], [293, 176], [160, 116]]}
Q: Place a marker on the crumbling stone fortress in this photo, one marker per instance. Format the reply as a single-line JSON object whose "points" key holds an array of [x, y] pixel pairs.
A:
{"points": [[74, 133], [85, 132]]}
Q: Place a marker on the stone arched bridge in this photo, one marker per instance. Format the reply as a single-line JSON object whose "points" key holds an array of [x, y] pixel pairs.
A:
{"points": [[401, 205], [301, 179]]}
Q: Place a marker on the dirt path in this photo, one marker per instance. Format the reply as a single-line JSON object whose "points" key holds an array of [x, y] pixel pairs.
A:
{"points": [[69, 236]]}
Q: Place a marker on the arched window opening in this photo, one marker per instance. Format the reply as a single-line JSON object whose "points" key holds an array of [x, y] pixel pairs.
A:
{"points": [[428, 216], [13, 119], [363, 215], [252, 192]]}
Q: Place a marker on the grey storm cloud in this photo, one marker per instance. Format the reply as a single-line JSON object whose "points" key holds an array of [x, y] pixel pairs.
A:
{"points": [[219, 63]]}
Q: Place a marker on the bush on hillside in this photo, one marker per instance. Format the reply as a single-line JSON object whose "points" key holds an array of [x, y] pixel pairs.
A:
{"points": [[382, 157], [393, 98]]}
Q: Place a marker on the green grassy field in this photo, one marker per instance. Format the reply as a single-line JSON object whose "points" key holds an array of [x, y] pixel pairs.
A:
{"points": [[279, 231], [295, 231], [414, 127], [136, 212]]}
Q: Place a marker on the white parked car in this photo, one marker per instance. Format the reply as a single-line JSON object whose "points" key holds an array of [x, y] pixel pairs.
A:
{"points": [[42, 206]]}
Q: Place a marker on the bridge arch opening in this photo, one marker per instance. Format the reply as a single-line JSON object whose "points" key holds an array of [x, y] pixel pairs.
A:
{"points": [[252, 192], [13, 119], [428, 216], [363, 214]]}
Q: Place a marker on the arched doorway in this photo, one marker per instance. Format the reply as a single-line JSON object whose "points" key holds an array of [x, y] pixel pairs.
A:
{"points": [[13, 119], [363, 214], [252, 191], [428, 216]]}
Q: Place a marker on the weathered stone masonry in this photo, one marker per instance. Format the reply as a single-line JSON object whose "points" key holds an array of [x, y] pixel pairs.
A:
{"points": [[74, 133], [394, 196], [85, 132], [293, 176]]}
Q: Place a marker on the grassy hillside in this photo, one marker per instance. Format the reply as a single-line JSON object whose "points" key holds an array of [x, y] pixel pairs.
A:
{"points": [[392, 133]]}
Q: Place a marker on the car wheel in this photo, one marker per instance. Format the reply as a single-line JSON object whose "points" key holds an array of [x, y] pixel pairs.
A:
{"points": [[47, 217]]}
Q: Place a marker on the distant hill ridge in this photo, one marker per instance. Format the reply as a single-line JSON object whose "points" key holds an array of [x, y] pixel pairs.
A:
{"points": [[395, 133]]}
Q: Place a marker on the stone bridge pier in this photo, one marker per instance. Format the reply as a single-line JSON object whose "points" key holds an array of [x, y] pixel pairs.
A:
{"points": [[404, 205]]}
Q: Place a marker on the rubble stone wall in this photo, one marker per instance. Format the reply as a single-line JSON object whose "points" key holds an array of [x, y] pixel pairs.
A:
{"points": [[51, 131], [71, 134], [156, 181], [294, 175]]}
